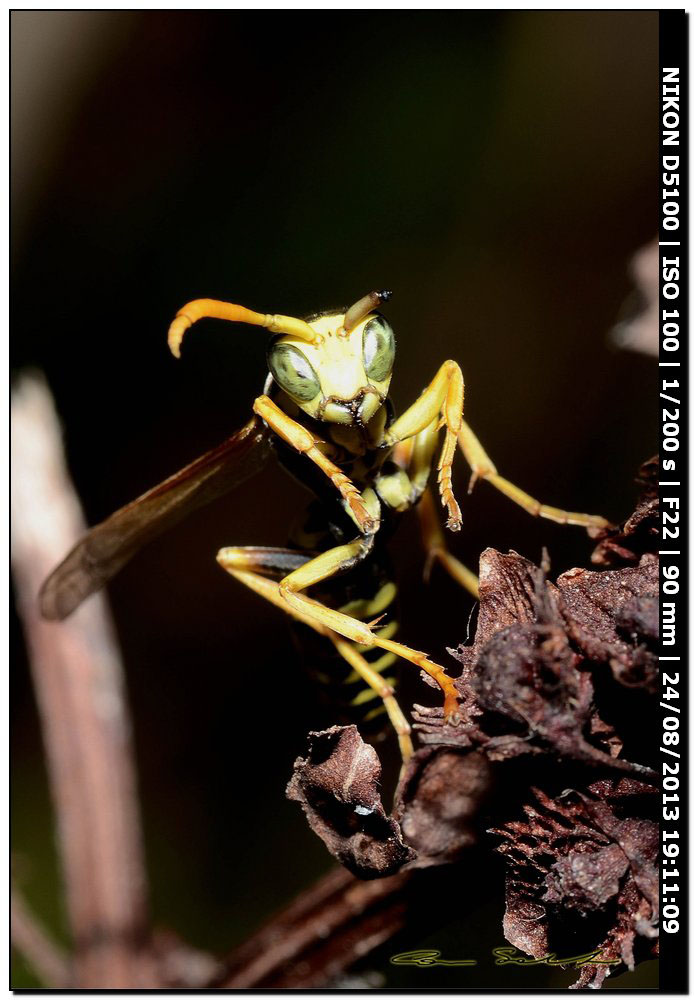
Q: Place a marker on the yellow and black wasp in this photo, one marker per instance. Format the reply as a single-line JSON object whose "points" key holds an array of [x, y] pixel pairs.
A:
{"points": [[326, 410]]}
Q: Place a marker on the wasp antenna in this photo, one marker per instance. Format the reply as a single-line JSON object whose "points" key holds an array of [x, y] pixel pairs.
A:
{"points": [[356, 313], [213, 309], [294, 327], [176, 333]]}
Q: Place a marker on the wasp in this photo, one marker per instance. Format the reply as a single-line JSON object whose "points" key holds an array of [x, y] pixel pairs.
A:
{"points": [[327, 413]]}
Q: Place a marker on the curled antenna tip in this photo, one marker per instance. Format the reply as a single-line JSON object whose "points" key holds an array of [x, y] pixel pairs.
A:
{"points": [[175, 336]]}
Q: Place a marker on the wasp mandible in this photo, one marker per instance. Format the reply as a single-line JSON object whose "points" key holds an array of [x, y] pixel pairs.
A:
{"points": [[326, 411]]}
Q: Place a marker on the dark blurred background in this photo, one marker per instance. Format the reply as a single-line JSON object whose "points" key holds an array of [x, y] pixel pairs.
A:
{"points": [[497, 171]]}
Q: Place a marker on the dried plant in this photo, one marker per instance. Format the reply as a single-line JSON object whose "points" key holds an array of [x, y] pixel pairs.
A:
{"points": [[556, 671]]}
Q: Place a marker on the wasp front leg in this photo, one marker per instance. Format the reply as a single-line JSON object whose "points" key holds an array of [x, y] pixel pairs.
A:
{"points": [[300, 438], [415, 456], [441, 403]]}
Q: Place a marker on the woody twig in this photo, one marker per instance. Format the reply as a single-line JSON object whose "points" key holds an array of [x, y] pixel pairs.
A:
{"points": [[78, 680]]}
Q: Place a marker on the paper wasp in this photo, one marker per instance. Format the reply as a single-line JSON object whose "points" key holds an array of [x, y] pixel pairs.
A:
{"points": [[326, 411]]}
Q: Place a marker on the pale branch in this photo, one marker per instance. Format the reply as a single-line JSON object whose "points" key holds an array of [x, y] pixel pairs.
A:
{"points": [[78, 679], [32, 941]]}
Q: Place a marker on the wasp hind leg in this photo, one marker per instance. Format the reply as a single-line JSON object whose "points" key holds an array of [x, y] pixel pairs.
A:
{"points": [[436, 550], [363, 669], [370, 674], [328, 564], [254, 566]]}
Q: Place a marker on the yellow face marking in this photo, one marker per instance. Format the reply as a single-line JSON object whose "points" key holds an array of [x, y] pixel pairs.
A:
{"points": [[346, 394]]}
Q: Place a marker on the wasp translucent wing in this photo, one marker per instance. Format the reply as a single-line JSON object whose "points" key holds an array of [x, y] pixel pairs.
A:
{"points": [[107, 548]]}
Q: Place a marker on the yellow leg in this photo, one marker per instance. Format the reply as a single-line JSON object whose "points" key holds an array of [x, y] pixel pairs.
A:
{"points": [[442, 400], [419, 460], [383, 690], [379, 665], [238, 562], [367, 671], [435, 545], [306, 443], [483, 468], [371, 610], [328, 564], [361, 608], [422, 457]]}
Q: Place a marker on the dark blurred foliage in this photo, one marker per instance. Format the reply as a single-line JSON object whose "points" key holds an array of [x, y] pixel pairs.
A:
{"points": [[496, 170]]}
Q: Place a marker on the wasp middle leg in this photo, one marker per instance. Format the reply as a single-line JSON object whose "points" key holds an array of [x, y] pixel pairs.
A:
{"points": [[483, 468]]}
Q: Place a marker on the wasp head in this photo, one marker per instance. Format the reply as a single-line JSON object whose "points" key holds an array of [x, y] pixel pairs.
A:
{"points": [[342, 376]]}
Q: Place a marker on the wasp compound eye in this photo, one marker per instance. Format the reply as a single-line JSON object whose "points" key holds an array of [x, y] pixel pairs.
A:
{"points": [[378, 349], [293, 372]]}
